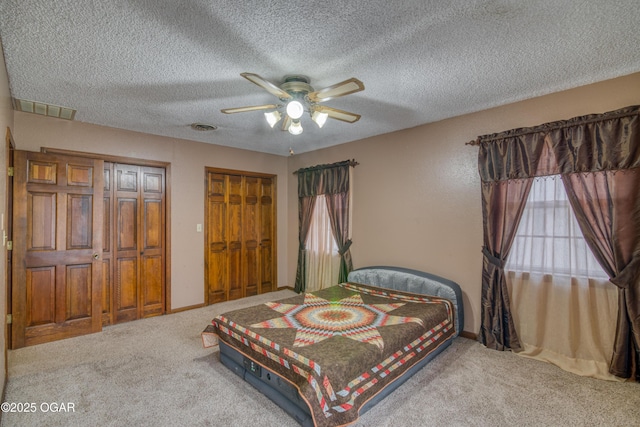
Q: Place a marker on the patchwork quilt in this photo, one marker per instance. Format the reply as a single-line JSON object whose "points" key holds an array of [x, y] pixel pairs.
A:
{"points": [[342, 345]]}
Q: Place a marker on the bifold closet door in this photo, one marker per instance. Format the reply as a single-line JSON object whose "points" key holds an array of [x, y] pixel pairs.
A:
{"points": [[139, 242], [239, 236]]}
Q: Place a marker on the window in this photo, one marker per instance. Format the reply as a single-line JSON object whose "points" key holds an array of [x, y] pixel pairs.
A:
{"points": [[323, 261], [549, 240]]}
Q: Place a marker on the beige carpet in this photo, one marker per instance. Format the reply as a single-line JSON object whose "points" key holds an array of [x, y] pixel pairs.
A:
{"points": [[154, 372]]}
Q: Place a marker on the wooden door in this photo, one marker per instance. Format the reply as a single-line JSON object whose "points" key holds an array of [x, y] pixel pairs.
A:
{"points": [[57, 271], [152, 238], [139, 242], [216, 238], [251, 235], [240, 247], [267, 238]]}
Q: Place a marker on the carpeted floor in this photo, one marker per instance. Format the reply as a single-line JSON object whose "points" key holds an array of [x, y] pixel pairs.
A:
{"points": [[154, 372]]}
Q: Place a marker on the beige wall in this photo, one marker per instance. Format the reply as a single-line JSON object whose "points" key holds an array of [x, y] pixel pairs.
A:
{"points": [[188, 161], [417, 191], [6, 121]]}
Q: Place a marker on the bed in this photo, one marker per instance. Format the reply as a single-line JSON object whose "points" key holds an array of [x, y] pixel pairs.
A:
{"points": [[326, 357]]}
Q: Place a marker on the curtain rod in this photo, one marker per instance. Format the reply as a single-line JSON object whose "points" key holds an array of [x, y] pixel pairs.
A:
{"points": [[562, 124], [351, 163]]}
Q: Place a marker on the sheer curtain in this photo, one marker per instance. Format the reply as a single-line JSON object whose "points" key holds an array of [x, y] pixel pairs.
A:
{"points": [[563, 304], [321, 258]]}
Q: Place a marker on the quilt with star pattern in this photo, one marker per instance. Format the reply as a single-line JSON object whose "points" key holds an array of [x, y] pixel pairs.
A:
{"points": [[342, 345]]}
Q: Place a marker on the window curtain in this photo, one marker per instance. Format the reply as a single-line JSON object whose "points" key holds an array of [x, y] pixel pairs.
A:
{"points": [[607, 205], [305, 215], [506, 166], [333, 182], [579, 149], [563, 304]]}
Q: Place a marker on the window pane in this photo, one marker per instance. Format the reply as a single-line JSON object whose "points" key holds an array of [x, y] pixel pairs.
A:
{"points": [[549, 240]]}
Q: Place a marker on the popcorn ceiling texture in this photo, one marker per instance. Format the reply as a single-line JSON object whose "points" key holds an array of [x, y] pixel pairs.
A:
{"points": [[156, 66]]}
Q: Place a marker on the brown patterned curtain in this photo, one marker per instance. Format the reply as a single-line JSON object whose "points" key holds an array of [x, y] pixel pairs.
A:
{"points": [[506, 163], [607, 206], [333, 181], [338, 207], [598, 157]]}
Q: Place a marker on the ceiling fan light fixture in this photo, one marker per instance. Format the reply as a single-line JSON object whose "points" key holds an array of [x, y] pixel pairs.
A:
{"points": [[295, 128], [295, 109], [273, 117], [320, 118]]}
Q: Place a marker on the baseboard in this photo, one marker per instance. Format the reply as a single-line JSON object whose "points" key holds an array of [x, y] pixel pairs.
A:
{"points": [[189, 307], [470, 335], [281, 288]]}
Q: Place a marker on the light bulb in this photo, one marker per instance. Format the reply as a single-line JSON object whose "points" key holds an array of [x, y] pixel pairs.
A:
{"points": [[319, 118], [295, 109], [272, 117], [295, 128]]}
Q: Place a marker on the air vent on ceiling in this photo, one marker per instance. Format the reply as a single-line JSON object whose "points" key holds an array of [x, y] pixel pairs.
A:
{"points": [[203, 127], [44, 109]]}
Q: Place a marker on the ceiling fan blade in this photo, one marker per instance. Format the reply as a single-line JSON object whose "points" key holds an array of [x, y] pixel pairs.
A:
{"points": [[286, 122], [253, 108], [334, 113], [266, 85], [339, 89]]}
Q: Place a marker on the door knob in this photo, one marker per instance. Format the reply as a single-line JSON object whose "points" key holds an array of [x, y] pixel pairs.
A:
{"points": [[96, 256]]}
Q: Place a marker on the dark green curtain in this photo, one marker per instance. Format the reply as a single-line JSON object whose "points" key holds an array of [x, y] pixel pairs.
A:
{"points": [[305, 214], [598, 157], [331, 180]]}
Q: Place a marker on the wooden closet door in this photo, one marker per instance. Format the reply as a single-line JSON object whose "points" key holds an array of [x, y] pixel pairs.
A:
{"points": [[216, 238], [152, 259], [240, 244], [235, 245], [251, 236], [139, 256], [267, 241], [127, 244], [57, 270]]}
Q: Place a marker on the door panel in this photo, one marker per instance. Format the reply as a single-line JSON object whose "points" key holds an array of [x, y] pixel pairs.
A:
{"points": [[57, 217], [126, 296], [41, 296], [78, 292], [41, 224]]}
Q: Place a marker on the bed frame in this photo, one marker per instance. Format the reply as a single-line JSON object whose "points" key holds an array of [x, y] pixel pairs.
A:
{"points": [[287, 397]]}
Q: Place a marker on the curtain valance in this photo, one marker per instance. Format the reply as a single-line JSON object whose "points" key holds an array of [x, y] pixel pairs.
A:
{"points": [[592, 143], [324, 179]]}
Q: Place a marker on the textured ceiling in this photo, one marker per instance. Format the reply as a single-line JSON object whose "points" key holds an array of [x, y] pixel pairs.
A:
{"points": [[156, 66]]}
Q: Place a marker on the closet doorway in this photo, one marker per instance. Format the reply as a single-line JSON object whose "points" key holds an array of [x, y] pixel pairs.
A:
{"points": [[240, 230], [103, 222]]}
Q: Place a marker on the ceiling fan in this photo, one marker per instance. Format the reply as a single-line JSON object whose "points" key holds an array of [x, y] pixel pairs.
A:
{"points": [[297, 96]]}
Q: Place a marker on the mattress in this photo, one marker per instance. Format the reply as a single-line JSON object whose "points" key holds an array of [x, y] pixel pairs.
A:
{"points": [[326, 356]]}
